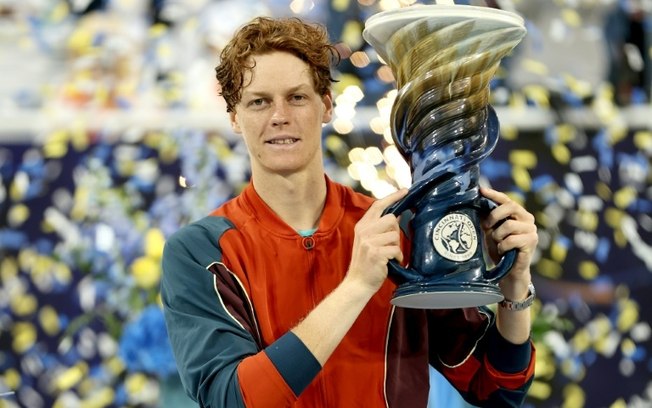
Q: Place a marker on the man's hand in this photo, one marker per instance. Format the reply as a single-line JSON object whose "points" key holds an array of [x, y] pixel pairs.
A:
{"points": [[377, 240], [510, 226], [516, 231]]}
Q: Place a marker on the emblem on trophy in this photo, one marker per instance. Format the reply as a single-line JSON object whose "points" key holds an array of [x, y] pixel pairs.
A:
{"points": [[443, 58]]}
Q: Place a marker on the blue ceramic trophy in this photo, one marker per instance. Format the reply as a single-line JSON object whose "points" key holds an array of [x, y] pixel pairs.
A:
{"points": [[443, 58]]}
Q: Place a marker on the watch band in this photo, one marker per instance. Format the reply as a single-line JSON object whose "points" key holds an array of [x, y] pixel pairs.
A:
{"points": [[521, 304]]}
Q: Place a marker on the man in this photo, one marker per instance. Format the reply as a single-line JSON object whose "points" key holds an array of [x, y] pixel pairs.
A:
{"points": [[280, 297]]}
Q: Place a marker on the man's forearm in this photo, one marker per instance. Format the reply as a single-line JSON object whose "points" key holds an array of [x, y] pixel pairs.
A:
{"points": [[514, 325], [325, 327]]}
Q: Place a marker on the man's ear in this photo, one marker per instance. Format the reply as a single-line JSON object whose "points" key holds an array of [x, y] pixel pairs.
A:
{"points": [[327, 100], [234, 122]]}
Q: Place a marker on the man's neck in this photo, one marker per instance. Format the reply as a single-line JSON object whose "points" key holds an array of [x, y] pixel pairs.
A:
{"points": [[298, 199]]}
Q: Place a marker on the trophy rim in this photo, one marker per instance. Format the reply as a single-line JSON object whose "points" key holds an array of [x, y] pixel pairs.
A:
{"points": [[380, 27]]}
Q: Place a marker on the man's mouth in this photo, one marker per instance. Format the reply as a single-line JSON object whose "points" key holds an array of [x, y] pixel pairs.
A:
{"points": [[289, 140]]}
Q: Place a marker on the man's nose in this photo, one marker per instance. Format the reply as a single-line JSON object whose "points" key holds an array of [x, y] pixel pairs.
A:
{"points": [[280, 114]]}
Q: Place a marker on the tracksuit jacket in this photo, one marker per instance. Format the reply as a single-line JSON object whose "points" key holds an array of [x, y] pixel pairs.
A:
{"points": [[235, 283]]}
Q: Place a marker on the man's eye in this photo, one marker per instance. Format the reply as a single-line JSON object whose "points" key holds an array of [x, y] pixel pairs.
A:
{"points": [[298, 98], [257, 102]]}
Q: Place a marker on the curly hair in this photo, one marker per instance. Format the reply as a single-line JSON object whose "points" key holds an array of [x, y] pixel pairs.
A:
{"points": [[309, 42]]}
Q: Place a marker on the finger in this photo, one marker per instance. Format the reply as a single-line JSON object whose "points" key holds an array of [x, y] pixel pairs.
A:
{"points": [[525, 243], [369, 226], [381, 204], [512, 227], [494, 195], [507, 210]]}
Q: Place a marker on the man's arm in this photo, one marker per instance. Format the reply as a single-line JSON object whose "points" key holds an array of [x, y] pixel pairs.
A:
{"points": [[377, 240], [519, 232]]}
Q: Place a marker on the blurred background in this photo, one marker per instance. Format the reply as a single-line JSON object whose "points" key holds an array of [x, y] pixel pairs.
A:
{"points": [[112, 137]]}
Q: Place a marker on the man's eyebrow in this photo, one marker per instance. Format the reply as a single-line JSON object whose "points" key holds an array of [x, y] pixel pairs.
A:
{"points": [[254, 93]]}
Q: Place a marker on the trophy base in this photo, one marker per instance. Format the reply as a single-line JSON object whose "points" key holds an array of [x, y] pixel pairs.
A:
{"points": [[441, 295]]}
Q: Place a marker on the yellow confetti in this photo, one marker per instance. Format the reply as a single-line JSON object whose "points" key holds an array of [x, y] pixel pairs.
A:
{"points": [[521, 178], [574, 396], [587, 220], [24, 336], [115, 365], [71, 376], [613, 217], [24, 304], [628, 347], [126, 167], [19, 186], [601, 325], [17, 215], [146, 272], [571, 17], [628, 316], [620, 403], [352, 34], [8, 269], [154, 242], [86, 386], [549, 269], [59, 12], [11, 379], [589, 270], [570, 369], [545, 366], [523, 158], [624, 197], [221, 147], [79, 137], [566, 133], [538, 94], [135, 383], [579, 87], [617, 132], [80, 40], [603, 191], [561, 153], [542, 219], [518, 101], [100, 399], [643, 140], [340, 5], [620, 239], [62, 272], [558, 252], [535, 67], [157, 30], [49, 320], [509, 132], [581, 341], [540, 390]]}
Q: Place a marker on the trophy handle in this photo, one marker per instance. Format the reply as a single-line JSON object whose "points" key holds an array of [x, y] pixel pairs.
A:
{"points": [[482, 204], [493, 275], [409, 202], [416, 192]]}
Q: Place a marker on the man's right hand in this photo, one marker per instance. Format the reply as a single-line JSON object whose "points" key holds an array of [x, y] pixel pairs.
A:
{"points": [[377, 240]]}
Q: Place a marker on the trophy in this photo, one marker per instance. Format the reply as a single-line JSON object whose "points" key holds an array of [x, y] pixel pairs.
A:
{"points": [[443, 57]]}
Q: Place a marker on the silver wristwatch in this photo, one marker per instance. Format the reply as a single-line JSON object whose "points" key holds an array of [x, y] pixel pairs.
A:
{"points": [[521, 304]]}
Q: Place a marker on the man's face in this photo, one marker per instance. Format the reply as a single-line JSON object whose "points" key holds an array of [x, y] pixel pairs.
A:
{"points": [[280, 115]]}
